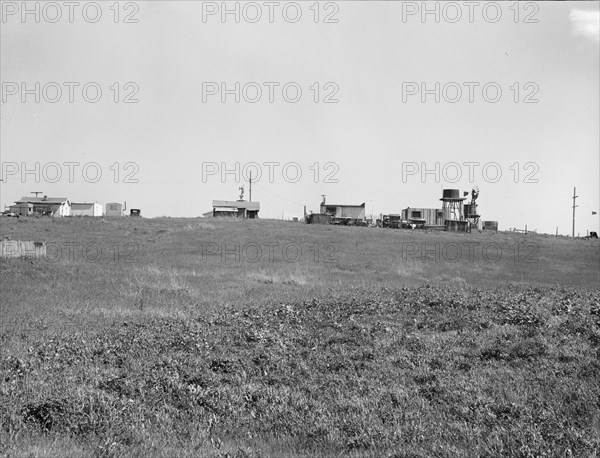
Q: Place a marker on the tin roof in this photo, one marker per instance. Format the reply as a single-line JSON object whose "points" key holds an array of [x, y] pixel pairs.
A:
{"points": [[327, 204], [236, 204], [83, 204], [42, 200]]}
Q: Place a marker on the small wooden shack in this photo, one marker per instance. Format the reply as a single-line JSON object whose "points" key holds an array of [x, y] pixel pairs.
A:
{"points": [[235, 208], [423, 216], [318, 218], [86, 209], [490, 226]]}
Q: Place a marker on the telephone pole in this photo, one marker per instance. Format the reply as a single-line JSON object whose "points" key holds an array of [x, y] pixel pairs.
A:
{"points": [[575, 196], [36, 193], [250, 192]]}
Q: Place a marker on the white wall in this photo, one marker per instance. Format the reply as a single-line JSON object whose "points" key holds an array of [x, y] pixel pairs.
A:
{"points": [[90, 210]]}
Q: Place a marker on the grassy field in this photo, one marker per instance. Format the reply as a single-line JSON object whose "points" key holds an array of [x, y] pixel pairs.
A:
{"points": [[197, 337]]}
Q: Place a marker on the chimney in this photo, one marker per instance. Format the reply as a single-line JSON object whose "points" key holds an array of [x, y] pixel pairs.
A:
{"points": [[45, 198], [323, 196]]}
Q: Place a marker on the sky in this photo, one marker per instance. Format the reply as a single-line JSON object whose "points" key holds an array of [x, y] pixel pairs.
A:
{"points": [[374, 102]]}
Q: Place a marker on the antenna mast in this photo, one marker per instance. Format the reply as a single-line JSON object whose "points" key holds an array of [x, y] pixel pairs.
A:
{"points": [[575, 196]]}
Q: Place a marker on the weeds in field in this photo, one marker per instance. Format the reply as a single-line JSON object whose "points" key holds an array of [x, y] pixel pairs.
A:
{"points": [[182, 356], [296, 276], [410, 269], [419, 369]]}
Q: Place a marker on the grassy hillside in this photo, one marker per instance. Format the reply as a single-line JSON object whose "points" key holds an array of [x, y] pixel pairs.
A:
{"points": [[195, 337]]}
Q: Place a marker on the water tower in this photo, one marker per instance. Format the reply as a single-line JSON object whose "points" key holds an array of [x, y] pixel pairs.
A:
{"points": [[452, 205], [452, 210]]}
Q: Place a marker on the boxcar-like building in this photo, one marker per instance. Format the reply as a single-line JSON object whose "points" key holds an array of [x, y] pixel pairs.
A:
{"points": [[426, 216]]}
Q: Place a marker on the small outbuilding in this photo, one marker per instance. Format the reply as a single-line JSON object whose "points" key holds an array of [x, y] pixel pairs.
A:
{"points": [[490, 226], [113, 209], [235, 209], [343, 212], [423, 216], [86, 209], [22, 208], [318, 218]]}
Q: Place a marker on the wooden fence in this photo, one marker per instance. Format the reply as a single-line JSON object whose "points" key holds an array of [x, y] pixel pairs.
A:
{"points": [[20, 248]]}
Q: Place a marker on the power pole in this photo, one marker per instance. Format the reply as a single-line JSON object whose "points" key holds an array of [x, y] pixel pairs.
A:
{"points": [[36, 193], [575, 196], [250, 192]]}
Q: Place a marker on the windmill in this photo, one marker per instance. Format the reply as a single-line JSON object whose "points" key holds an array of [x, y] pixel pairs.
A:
{"points": [[471, 214]]}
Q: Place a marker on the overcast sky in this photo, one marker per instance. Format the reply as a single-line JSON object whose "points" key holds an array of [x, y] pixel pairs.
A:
{"points": [[372, 58]]}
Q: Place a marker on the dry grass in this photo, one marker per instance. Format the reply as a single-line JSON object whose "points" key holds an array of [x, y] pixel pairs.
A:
{"points": [[377, 354]]}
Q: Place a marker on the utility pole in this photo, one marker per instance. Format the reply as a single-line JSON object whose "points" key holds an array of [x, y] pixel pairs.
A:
{"points": [[36, 193], [575, 196], [250, 192]]}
